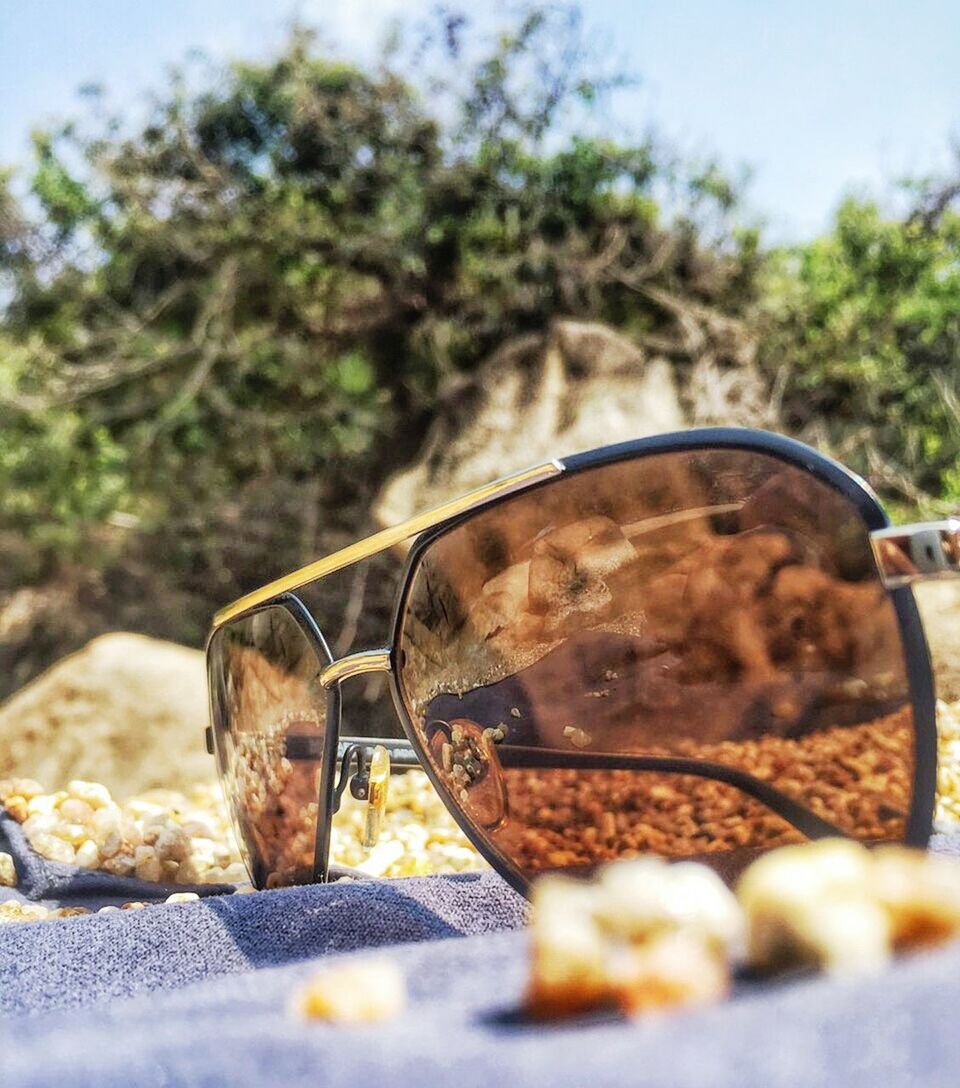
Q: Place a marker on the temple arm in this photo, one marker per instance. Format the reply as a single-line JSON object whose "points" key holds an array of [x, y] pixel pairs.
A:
{"points": [[519, 756]]}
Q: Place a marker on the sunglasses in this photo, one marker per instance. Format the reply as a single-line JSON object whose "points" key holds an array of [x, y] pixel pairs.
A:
{"points": [[699, 645]]}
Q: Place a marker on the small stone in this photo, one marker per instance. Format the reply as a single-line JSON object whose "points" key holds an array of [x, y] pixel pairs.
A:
{"points": [[147, 864], [45, 803], [76, 812], [111, 844], [132, 835], [119, 865], [39, 824], [172, 845], [16, 805], [8, 872], [74, 834], [182, 897], [359, 992], [95, 795], [579, 738], [26, 788], [69, 912], [106, 820], [13, 911], [88, 855], [53, 849]]}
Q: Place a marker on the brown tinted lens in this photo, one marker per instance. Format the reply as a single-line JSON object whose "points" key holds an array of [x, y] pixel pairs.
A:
{"points": [[268, 719], [689, 653]]}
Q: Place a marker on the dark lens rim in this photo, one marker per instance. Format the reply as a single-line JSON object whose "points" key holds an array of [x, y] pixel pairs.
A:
{"points": [[300, 615], [789, 450]]}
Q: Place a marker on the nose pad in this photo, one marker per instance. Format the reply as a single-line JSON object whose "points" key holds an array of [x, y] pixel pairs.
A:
{"points": [[467, 757], [378, 783]]}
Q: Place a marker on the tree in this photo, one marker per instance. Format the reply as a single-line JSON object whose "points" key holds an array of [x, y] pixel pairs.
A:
{"points": [[227, 323], [863, 325]]}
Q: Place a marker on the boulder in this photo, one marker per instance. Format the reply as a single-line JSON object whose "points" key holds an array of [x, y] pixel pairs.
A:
{"points": [[126, 710], [578, 386]]}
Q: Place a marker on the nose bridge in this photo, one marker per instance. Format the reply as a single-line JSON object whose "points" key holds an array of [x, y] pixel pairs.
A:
{"points": [[356, 664]]}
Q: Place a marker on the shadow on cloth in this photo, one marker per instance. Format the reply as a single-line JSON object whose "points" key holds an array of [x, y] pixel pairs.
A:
{"points": [[82, 961]]}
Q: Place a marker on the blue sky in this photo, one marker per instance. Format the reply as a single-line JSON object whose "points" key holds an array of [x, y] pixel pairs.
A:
{"points": [[820, 98]]}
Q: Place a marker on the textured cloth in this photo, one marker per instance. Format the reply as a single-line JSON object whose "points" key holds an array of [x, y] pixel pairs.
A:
{"points": [[461, 1029], [78, 961], [199, 994]]}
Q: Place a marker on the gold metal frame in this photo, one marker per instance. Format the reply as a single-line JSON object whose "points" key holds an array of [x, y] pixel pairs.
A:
{"points": [[904, 554], [387, 538], [357, 664]]}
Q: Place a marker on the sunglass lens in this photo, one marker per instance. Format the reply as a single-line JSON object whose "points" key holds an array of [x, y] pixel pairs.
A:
{"points": [[688, 653], [268, 718]]}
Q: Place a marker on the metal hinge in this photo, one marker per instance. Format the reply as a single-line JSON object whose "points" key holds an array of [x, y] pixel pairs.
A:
{"points": [[910, 553]]}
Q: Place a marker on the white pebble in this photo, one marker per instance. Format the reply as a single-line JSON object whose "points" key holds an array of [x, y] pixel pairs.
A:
{"points": [[106, 819], [172, 844], [8, 872], [111, 844], [76, 812], [88, 855], [71, 833], [39, 824], [53, 849], [95, 794], [147, 863]]}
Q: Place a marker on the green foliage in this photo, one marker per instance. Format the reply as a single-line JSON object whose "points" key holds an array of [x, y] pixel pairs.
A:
{"points": [[864, 325], [223, 328], [241, 311], [66, 202]]}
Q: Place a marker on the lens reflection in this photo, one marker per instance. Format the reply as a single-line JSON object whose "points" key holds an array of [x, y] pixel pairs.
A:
{"points": [[693, 611], [268, 717]]}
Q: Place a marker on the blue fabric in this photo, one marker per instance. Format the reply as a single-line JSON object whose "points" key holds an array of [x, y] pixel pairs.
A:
{"points": [[199, 994], [461, 1029], [80, 961]]}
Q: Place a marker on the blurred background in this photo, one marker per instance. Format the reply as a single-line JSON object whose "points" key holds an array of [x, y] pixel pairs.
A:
{"points": [[273, 277]]}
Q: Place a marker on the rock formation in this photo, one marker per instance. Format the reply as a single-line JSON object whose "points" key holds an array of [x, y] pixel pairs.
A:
{"points": [[577, 386]]}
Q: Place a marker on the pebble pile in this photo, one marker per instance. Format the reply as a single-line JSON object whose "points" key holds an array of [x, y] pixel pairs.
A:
{"points": [[161, 836], [948, 775], [418, 835], [171, 837]]}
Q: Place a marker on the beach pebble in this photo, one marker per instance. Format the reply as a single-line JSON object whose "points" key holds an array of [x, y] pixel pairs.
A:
{"points": [[357, 992], [8, 872]]}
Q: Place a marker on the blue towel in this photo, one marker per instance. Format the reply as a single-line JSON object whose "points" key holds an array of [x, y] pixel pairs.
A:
{"points": [[461, 1028], [80, 961], [199, 994]]}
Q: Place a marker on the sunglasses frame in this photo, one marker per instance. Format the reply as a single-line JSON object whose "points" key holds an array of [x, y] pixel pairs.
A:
{"points": [[426, 529]]}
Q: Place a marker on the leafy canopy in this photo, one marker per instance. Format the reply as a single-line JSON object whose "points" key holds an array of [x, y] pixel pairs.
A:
{"points": [[238, 313], [864, 325]]}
